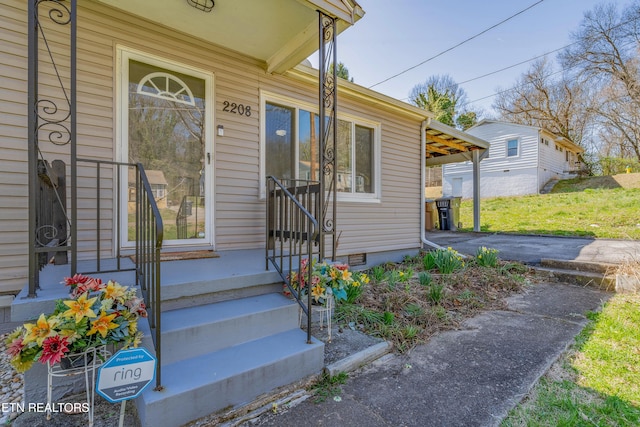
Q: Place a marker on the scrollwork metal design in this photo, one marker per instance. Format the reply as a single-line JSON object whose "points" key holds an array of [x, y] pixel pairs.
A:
{"points": [[56, 129], [59, 12], [328, 106], [327, 28], [51, 120], [45, 233]]}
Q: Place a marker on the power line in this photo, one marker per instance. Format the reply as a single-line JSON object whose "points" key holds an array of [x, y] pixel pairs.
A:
{"points": [[519, 63], [561, 70], [508, 67], [457, 45]]}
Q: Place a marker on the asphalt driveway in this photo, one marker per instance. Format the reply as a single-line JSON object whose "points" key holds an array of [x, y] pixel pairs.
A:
{"points": [[531, 249]]}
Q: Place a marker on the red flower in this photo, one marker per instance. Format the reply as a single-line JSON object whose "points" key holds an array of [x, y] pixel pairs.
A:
{"points": [[53, 349], [15, 348], [89, 285], [77, 279]]}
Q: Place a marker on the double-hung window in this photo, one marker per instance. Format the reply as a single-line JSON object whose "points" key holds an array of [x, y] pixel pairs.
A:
{"points": [[290, 143]]}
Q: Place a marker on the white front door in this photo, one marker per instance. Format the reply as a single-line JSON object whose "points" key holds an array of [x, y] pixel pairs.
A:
{"points": [[165, 125]]}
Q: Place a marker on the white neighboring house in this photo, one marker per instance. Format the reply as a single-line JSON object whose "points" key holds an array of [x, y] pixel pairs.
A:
{"points": [[521, 160]]}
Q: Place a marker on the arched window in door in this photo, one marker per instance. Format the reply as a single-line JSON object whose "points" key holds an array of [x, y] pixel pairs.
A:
{"points": [[166, 86]]}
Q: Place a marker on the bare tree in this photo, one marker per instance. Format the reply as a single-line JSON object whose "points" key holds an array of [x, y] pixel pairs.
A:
{"points": [[605, 54], [547, 99]]}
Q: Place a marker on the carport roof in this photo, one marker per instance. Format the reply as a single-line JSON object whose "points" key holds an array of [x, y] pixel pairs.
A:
{"points": [[445, 144]]}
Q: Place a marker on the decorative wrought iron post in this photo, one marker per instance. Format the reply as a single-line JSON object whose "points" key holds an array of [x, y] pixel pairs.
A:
{"points": [[51, 119], [328, 99]]}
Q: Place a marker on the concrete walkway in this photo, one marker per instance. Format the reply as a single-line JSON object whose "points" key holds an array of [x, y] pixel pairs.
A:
{"points": [[475, 375], [468, 377]]}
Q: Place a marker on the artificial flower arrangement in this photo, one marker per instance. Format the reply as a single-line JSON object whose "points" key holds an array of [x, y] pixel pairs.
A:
{"points": [[328, 279], [94, 315]]}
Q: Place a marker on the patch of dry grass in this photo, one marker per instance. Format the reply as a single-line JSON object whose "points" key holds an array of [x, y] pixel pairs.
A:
{"points": [[407, 312]]}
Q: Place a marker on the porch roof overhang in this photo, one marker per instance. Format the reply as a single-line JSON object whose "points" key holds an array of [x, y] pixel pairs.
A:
{"points": [[445, 144], [281, 33]]}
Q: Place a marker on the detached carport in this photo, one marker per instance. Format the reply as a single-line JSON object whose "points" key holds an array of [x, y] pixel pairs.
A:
{"points": [[442, 144]]}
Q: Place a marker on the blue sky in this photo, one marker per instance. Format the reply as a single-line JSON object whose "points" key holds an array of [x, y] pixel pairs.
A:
{"points": [[395, 35]]}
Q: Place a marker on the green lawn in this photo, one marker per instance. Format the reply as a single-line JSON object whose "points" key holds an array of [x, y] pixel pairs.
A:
{"points": [[597, 383], [601, 213]]}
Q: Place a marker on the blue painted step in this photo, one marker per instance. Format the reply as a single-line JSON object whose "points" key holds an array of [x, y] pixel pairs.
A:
{"points": [[194, 331], [230, 377]]}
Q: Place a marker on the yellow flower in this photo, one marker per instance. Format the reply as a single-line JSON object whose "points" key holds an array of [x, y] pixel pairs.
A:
{"points": [[133, 327], [70, 334], [355, 284], [42, 329], [114, 290], [318, 292], [103, 324], [137, 339], [21, 365], [364, 278], [333, 273], [80, 308], [346, 275]]}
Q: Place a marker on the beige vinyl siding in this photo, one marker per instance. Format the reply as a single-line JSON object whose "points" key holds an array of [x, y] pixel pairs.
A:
{"points": [[13, 159], [394, 222], [390, 223]]}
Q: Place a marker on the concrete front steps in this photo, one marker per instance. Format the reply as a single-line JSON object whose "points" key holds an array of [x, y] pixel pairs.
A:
{"points": [[225, 354], [229, 335], [599, 275]]}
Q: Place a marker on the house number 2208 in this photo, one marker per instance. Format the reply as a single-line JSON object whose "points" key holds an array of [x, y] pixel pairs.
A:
{"points": [[241, 109]]}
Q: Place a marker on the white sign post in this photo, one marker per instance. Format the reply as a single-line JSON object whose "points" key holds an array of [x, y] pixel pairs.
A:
{"points": [[125, 376]]}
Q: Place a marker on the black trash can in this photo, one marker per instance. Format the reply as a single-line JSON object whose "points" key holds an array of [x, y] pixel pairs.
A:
{"points": [[445, 213]]}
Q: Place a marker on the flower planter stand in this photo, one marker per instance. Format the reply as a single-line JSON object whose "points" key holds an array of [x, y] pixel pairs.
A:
{"points": [[322, 313], [79, 363]]}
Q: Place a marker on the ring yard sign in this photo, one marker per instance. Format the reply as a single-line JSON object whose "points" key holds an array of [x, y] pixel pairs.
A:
{"points": [[126, 374]]}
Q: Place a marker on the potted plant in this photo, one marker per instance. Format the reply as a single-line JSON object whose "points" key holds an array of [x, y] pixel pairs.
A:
{"points": [[96, 314], [328, 280]]}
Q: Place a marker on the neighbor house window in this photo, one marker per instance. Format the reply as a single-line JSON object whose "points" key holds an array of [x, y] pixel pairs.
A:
{"points": [[291, 144], [512, 147]]}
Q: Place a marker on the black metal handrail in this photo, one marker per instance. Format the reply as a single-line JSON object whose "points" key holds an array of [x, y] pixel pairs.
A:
{"points": [[148, 236], [293, 234]]}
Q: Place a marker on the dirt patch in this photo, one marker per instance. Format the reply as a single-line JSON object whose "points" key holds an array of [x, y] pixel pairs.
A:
{"points": [[628, 180], [624, 180], [406, 311], [345, 341]]}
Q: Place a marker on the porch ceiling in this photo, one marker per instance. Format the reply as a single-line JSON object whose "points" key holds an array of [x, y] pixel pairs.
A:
{"points": [[445, 144], [282, 33]]}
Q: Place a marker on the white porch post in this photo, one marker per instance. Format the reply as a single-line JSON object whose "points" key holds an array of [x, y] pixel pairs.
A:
{"points": [[476, 190]]}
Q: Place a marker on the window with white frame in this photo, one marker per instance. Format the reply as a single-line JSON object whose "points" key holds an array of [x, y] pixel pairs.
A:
{"points": [[512, 147], [291, 140]]}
